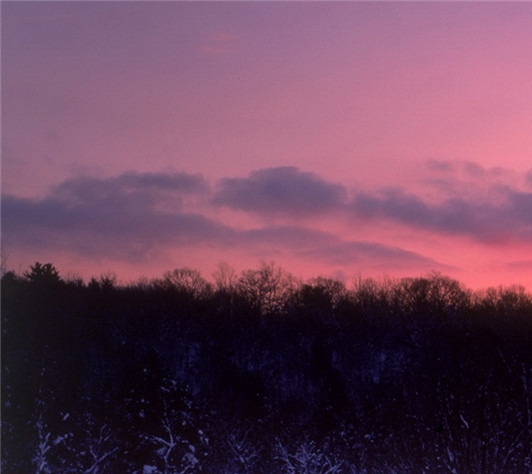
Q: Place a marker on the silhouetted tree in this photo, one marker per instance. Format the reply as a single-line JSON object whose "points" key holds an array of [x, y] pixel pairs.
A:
{"points": [[107, 282], [4, 257], [436, 294], [411, 375], [43, 274], [225, 277], [187, 281], [266, 289], [320, 297]]}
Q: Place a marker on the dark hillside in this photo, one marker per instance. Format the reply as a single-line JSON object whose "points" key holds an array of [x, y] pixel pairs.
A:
{"points": [[264, 374]]}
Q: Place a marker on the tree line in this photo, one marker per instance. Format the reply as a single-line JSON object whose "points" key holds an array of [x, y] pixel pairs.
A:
{"points": [[260, 372]]}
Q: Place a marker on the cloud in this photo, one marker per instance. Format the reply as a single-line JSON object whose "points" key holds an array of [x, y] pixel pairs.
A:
{"points": [[440, 166], [119, 216], [466, 178], [519, 265], [374, 254], [472, 200], [142, 216], [483, 204], [135, 216], [325, 247], [484, 221], [519, 210], [465, 169], [110, 231], [454, 216], [284, 191], [142, 185]]}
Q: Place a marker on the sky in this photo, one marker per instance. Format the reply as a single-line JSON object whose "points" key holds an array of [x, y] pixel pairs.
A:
{"points": [[342, 139]]}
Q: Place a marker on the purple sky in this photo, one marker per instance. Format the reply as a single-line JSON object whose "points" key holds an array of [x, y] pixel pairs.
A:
{"points": [[335, 138]]}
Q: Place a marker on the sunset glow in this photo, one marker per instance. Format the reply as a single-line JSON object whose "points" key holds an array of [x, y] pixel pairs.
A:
{"points": [[341, 139]]}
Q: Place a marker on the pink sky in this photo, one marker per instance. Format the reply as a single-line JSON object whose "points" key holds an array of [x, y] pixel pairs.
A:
{"points": [[334, 138]]}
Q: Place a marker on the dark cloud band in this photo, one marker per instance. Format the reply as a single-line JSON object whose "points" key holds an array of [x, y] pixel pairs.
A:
{"points": [[134, 213], [284, 191]]}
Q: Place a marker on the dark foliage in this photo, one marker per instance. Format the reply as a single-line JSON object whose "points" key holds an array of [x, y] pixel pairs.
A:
{"points": [[260, 373]]}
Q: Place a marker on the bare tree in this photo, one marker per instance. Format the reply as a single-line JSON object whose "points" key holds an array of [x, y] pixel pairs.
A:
{"points": [[307, 459], [225, 277], [4, 257], [174, 451], [435, 294], [188, 281], [243, 452], [99, 448], [267, 288], [43, 445]]}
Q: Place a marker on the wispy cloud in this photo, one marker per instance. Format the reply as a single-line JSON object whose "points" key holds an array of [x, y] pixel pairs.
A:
{"points": [[452, 216], [132, 189], [486, 204], [520, 265], [315, 245], [372, 254]]}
